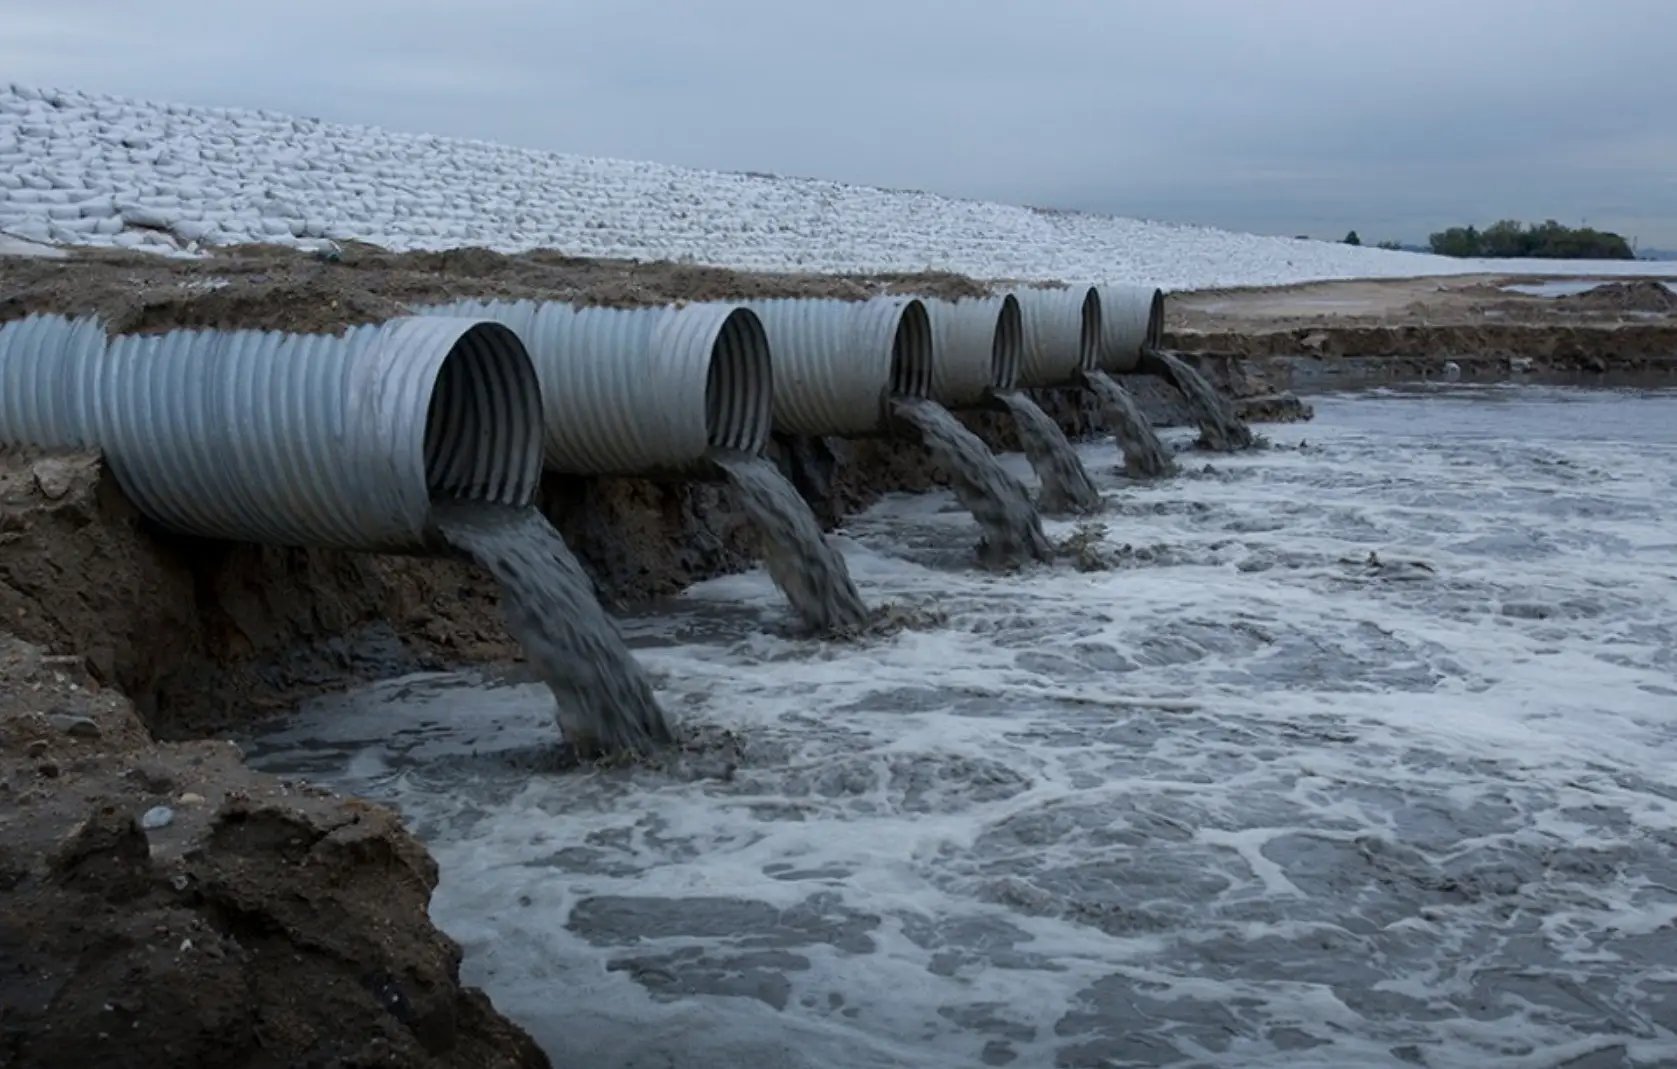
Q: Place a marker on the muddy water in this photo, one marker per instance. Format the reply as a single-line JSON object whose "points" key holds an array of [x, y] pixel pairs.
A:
{"points": [[1220, 428], [1360, 757], [605, 701], [1145, 457], [1066, 487], [804, 565], [997, 500]]}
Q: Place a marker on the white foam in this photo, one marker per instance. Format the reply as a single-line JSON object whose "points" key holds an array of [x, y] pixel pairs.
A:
{"points": [[87, 169], [1247, 798]]}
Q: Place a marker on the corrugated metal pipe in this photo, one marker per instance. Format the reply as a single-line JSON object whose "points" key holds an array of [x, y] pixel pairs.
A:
{"points": [[1062, 329], [1132, 320], [643, 391], [286, 439], [977, 348], [49, 367], [838, 363]]}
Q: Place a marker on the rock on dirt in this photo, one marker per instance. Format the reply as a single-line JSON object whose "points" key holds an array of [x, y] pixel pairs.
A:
{"points": [[260, 925]]}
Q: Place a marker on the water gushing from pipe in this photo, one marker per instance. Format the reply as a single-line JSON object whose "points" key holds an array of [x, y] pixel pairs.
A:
{"points": [[605, 700], [999, 502], [1220, 429], [1066, 486], [1145, 456], [807, 568]]}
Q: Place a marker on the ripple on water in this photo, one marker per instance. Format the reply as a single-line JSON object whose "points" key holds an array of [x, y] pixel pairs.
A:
{"points": [[1350, 754]]}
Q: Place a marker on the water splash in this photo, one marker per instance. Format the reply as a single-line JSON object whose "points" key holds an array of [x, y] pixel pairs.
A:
{"points": [[999, 502], [605, 699], [1220, 428], [1253, 800], [1066, 486], [803, 564], [1145, 456]]}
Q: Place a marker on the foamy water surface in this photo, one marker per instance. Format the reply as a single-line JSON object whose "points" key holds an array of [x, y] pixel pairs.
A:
{"points": [[1357, 751]]}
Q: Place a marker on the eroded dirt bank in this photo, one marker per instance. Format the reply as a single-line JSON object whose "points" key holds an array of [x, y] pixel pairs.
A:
{"points": [[160, 905]]}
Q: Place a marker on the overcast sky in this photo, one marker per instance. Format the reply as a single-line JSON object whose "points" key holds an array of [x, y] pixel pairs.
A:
{"points": [[1395, 117]]}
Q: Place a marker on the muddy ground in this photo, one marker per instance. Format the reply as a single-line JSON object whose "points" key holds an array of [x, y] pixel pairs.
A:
{"points": [[1348, 334], [275, 288], [125, 651], [161, 905]]}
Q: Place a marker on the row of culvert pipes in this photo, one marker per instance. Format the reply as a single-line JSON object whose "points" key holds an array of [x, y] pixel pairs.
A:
{"points": [[344, 441]]}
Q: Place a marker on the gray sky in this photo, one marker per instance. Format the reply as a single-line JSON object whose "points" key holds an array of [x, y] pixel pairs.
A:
{"points": [[1395, 117]]}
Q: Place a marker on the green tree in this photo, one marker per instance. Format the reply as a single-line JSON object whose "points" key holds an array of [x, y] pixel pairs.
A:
{"points": [[1392, 245], [1353, 239], [1510, 239]]}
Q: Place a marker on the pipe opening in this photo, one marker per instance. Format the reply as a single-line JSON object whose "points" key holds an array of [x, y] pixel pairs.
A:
{"points": [[1007, 348], [739, 385], [1089, 337], [483, 426], [1156, 321], [911, 352]]}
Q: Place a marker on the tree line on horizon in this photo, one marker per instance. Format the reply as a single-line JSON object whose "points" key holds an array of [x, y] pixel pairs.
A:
{"points": [[1510, 239]]}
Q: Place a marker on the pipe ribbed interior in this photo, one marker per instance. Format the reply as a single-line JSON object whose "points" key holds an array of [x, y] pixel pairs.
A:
{"points": [[1089, 337], [1007, 348], [1156, 321], [483, 426], [911, 353], [739, 385]]}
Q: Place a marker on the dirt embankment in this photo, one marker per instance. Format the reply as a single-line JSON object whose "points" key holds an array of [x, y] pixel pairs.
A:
{"points": [[1332, 334], [160, 905], [272, 288]]}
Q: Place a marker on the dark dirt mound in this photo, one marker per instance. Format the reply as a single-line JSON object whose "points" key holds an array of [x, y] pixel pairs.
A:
{"points": [[270, 288], [162, 907], [1641, 295]]}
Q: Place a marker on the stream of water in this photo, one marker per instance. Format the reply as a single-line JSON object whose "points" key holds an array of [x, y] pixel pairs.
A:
{"points": [[1145, 456], [803, 564], [997, 499], [1066, 487], [605, 700], [1220, 429], [1359, 755]]}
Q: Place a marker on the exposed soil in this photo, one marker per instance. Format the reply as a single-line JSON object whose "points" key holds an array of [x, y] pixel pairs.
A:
{"points": [[1643, 295], [160, 905], [273, 288], [1331, 334]]}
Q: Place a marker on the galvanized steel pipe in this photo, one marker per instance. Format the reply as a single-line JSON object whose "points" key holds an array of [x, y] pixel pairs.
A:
{"points": [[48, 381], [1132, 319], [1062, 329], [636, 391], [293, 439], [976, 350], [838, 363]]}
